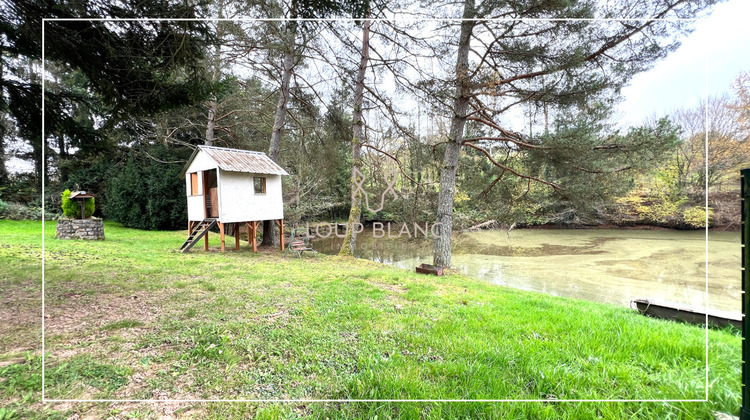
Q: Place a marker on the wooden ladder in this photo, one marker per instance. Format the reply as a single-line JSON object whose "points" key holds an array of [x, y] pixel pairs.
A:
{"points": [[197, 233]]}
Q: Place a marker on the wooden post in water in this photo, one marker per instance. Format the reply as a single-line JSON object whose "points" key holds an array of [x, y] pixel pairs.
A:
{"points": [[745, 200]]}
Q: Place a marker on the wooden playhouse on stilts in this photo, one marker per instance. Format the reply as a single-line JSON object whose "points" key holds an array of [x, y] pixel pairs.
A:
{"points": [[229, 187]]}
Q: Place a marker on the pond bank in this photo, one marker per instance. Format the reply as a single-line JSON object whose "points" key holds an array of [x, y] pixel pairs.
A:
{"points": [[603, 265]]}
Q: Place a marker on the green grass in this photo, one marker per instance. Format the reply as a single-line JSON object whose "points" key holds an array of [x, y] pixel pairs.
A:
{"points": [[129, 317], [125, 323]]}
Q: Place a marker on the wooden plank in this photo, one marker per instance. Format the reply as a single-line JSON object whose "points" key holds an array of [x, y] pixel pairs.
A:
{"points": [[194, 183], [214, 194], [205, 200], [429, 269]]}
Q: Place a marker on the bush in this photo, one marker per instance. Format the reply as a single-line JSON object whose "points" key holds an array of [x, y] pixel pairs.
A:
{"points": [[146, 194], [696, 216], [21, 188], [18, 211], [659, 208], [72, 208]]}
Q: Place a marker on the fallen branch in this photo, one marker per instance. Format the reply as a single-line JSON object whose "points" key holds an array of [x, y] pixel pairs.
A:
{"points": [[489, 223]]}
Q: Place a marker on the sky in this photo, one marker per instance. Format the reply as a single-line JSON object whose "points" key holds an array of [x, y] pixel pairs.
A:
{"points": [[722, 41]]}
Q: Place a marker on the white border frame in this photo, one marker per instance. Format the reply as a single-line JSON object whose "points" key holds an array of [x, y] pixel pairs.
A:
{"points": [[44, 142]]}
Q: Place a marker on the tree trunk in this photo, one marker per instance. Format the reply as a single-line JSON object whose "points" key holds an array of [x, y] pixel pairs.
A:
{"points": [[38, 142], [280, 116], [211, 124], [347, 246], [213, 106], [62, 155], [269, 233], [3, 132], [442, 251], [62, 158]]}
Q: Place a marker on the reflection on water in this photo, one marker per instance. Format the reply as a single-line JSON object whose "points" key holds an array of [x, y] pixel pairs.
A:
{"points": [[612, 266]]}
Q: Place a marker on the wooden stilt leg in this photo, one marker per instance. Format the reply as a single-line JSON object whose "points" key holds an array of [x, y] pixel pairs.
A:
{"points": [[280, 222], [247, 225], [221, 232], [255, 236], [236, 236], [205, 242]]}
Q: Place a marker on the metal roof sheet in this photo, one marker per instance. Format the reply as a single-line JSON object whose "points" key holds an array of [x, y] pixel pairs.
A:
{"points": [[236, 160], [80, 194]]}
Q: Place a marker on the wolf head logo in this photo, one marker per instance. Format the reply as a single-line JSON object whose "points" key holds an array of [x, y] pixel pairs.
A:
{"points": [[390, 180]]}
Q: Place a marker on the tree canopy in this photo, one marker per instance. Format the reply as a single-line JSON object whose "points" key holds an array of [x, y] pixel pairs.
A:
{"points": [[102, 72]]}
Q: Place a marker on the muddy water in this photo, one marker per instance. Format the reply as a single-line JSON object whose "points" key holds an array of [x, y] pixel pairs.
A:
{"points": [[604, 265]]}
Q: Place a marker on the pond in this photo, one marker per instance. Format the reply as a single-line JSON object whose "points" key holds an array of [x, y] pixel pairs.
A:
{"points": [[604, 265]]}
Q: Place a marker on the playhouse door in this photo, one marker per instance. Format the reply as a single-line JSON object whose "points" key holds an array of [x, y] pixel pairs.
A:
{"points": [[213, 211], [211, 194]]}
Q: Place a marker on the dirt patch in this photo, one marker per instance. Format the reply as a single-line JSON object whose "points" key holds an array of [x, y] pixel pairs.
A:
{"points": [[393, 288], [280, 316], [106, 325], [71, 258], [140, 384], [166, 405], [17, 352], [171, 408], [137, 383], [76, 312], [14, 361], [21, 324]]}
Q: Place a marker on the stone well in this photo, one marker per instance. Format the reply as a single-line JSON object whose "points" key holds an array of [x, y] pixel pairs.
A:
{"points": [[91, 229]]}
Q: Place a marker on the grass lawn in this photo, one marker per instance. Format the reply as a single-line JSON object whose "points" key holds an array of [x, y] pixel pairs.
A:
{"points": [[130, 318]]}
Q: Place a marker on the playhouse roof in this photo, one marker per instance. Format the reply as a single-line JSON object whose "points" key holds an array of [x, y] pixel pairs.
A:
{"points": [[236, 160]]}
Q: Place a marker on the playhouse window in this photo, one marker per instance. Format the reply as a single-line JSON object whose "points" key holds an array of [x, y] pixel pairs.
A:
{"points": [[260, 185], [194, 183]]}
